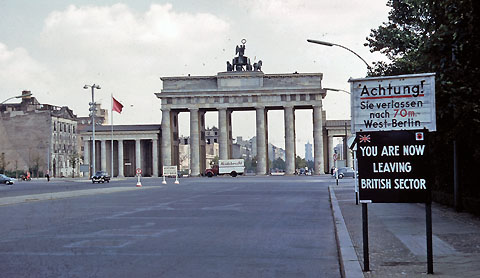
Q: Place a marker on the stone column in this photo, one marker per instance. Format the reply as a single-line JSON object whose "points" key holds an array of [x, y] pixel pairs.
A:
{"points": [[103, 155], [155, 157], [138, 154], [318, 140], [166, 138], [86, 152], [223, 135], [229, 134], [261, 141], [289, 140], [331, 163], [194, 143], [120, 158]]}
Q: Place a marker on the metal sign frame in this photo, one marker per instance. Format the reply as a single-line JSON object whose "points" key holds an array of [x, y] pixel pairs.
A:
{"points": [[402, 102], [170, 171], [393, 166]]}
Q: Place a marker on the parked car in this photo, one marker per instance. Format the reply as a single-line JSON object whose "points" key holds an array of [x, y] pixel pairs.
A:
{"points": [[6, 180], [101, 177], [346, 172]]}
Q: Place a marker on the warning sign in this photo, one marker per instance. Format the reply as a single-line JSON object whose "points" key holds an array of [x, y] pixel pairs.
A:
{"points": [[393, 166], [404, 102]]}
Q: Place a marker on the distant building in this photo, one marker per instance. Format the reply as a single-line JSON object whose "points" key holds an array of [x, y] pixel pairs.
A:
{"points": [[101, 118], [211, 146], [308, 152], [134, 147], [275, 152], [184, 153], [38, 138], [242, 148]]}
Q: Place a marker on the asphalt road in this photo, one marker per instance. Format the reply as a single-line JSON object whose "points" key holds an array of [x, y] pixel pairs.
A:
{"points": [[218, 227]]}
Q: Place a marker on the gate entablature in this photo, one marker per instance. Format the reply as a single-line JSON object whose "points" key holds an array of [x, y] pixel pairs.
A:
{"points": [[242, 90]]}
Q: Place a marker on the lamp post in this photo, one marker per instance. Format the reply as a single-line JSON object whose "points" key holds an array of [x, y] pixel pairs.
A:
{"points": [[92, 114], [20, 96], [366, 257], [334, 44]]}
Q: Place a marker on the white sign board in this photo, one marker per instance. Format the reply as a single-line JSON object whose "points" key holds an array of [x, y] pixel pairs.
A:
{"points": [[403, 102], [170, 170]]}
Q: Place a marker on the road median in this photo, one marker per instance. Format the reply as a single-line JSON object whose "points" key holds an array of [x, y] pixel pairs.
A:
{"points": [[67, 194]]}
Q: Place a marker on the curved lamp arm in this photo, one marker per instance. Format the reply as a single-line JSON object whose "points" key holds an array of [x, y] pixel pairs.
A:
{"points": [[334, 44], [20, 96]]}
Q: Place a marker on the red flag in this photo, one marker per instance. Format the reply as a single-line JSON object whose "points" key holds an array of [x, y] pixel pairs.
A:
{"points": [[117, 106]]}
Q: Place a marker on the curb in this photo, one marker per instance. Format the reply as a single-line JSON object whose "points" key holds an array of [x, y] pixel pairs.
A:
{"points": [[349, 264]]}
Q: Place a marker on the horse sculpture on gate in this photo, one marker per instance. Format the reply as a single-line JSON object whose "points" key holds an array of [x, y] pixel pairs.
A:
{"points": [[241, 62]]}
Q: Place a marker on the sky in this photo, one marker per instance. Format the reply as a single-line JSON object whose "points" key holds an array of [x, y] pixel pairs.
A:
{"points": [[53, 48]]}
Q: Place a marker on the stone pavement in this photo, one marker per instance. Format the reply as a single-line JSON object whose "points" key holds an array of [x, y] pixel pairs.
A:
{"points": [[397, 238]]}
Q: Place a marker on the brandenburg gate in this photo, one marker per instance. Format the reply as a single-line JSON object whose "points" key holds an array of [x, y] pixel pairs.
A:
{"points": [[243, 87]]}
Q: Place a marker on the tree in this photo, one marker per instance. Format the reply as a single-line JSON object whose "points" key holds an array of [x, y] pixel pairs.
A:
{"points": [[251, 164], [441, 37], [310, 164], [300, 162], [3, 163], [74, 158], [278, 164]]}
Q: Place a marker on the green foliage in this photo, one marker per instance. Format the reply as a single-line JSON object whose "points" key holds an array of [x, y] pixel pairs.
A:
{"points": [[441, 37], [74, 158], [278, 164], [310, 164], [3, 163], [251, 164], [300, 162]]}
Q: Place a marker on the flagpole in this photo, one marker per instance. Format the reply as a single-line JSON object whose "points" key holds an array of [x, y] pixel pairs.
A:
{"points": [[111, 123]]}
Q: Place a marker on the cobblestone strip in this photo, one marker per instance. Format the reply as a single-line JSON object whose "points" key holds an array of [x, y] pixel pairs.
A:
{"points": [[350, 266]]}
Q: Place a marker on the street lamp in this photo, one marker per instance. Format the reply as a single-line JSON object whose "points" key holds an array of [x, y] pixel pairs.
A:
{"points": [[92, 114], [364, 206], [336, 90], [20, 96], [334, 44]]}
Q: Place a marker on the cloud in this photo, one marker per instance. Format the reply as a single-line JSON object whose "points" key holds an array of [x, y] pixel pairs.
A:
{"points": [[18, 69], [126, 51]]}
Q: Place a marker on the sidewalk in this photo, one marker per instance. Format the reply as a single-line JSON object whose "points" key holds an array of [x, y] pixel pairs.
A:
{"points": [[397, 240]]}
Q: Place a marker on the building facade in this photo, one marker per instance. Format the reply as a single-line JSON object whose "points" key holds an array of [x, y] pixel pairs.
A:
{"points": [[39, 138], [134, 147], [308, 152]]}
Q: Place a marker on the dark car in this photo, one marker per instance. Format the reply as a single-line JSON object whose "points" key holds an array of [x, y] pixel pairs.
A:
{"points": [[101, 177], [346, 172], [6, 180]]}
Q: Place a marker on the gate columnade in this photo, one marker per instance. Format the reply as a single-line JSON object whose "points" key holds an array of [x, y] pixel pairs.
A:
{"points": [[240, 91]]}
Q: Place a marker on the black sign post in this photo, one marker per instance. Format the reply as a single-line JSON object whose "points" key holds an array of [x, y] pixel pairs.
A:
{"points": [[393, 168]]}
